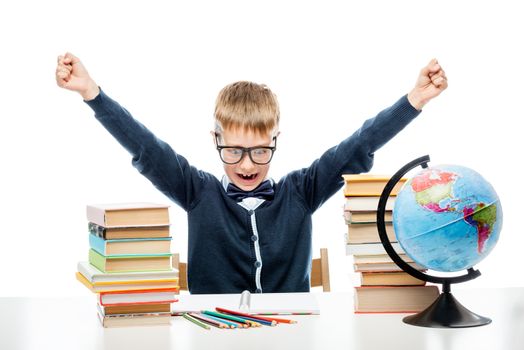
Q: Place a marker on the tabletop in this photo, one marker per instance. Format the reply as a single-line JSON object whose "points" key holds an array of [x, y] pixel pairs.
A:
{"points": [[72, 323]]}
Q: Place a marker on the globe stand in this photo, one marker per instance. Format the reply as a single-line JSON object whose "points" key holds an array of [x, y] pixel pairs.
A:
{"points": [[445, 311]]}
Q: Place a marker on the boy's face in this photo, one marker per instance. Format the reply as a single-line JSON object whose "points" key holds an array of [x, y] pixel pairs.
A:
{"points": [[246, 174]]}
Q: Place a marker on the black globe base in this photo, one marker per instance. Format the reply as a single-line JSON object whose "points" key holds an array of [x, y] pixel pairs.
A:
{"points": [[446, 312]]}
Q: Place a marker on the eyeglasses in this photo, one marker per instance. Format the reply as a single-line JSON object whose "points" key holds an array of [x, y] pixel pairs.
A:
{"points": [[259, 155]]}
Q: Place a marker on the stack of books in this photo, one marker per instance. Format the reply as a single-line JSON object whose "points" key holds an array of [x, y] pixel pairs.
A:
{"points": [[384, 287], [129, 266]]}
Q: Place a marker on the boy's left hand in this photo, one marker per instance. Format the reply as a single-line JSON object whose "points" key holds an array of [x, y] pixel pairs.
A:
{"points": [[430, 83]]}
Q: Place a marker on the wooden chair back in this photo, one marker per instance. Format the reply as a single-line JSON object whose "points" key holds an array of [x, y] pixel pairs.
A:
{"points": [[319, 271]]}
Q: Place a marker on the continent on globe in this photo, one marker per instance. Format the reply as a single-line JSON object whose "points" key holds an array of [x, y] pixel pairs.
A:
{"points": [[433, 186], [483, 218]]}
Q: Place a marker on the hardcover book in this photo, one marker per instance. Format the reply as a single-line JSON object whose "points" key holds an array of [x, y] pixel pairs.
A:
{"points": [[97, 277], [161, 231], [135, 297], [385, 299], [368, 185], [368, 233], [130, 263], [128, 214], [148, 319], [397, 278], [115, 287], [130, 246], [356, 204]]}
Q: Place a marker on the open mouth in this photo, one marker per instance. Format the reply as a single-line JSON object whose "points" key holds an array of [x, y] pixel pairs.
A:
{"points": [[250, 177]]}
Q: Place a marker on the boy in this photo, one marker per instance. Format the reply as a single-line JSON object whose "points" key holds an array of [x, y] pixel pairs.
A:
{"points": [[248, 232]]}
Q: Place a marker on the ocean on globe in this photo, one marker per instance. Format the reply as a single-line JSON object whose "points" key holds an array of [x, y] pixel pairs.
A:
{"points": [[447, 218]]}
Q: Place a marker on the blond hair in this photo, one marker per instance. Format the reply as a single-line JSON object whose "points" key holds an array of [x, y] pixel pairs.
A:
{"points": [[248, 106]]}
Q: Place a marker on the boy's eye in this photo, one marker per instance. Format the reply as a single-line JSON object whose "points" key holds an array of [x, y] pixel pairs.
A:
{"points": [[260, 151], [234, 151]]}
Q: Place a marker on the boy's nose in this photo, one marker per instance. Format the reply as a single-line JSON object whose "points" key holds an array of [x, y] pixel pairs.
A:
{"points": [[246, 163]]}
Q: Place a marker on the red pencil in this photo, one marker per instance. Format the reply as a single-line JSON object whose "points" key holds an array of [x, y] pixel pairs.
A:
{"points": [[263, 318]]}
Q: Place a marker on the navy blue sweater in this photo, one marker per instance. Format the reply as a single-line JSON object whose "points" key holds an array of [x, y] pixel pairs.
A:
{"points": [[230, 248]]}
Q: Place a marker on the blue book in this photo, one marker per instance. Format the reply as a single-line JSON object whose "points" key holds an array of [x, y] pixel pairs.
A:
{"points": [[131, 246]]}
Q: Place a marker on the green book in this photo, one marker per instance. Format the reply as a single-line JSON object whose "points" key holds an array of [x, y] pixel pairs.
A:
{"points": [[130, 263]]}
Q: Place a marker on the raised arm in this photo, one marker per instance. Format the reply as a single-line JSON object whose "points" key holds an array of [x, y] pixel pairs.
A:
{"points": [[152, 157], [355, 154]]}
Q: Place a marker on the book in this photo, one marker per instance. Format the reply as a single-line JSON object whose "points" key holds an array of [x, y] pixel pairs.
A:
{"points": [[135, 297], [125, 263], [97, 277], [384, 267], [140, 285], [368, 185], [161, 231], [355, 204], [148, 319], [135, 309], [128, 214], [385, 299], [259, 303], [397, 278], [368, 233], [371, 248], [366, 217], [377, 259], [130, 246]]}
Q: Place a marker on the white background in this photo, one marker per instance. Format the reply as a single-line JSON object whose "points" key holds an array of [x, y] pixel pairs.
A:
{"points": [[332, 64]]}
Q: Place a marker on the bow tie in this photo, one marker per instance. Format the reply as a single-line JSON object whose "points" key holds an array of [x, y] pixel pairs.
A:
{"points": [[263, 191]]}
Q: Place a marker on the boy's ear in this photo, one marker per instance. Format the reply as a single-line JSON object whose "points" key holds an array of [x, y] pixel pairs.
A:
{"points": [[213, 135]]}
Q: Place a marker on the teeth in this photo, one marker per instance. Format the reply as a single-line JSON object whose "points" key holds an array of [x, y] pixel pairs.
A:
{"points": [[247, 177]]}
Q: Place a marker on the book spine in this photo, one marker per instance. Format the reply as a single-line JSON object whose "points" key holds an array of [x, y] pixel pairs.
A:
{"points": [[96, 215], [98, 244], [97, 260], [96, 230]]}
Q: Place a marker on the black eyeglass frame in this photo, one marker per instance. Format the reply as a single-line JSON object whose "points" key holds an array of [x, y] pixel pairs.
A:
{"points": [[246, 150]]}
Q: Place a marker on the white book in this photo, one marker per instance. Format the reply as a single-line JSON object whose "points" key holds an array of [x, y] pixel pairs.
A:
{"points": [[263, 303], [138, 297], [367, 203], [110, 321], [371, 249], [95, 276]]}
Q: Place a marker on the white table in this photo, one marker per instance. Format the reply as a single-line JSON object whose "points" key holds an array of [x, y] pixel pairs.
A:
{"points": [[71, 323]]}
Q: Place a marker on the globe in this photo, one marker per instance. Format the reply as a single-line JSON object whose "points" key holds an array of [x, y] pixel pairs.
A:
{"points": [[447, 218]]}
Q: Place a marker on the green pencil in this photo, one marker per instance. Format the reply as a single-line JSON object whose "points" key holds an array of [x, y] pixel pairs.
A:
{"points": [[195, 321]]}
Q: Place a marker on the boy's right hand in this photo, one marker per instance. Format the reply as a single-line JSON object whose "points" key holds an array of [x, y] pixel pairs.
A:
{"points": [[72, 75]]}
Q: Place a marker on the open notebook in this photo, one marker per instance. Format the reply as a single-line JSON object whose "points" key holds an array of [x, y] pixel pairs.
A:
{"points": [[262, 304]]}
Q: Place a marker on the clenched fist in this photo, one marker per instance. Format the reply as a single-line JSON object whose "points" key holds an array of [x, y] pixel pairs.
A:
{"points": [[72, 75], [431, 82]]}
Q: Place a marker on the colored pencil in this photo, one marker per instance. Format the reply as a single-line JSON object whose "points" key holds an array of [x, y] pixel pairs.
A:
{"points": [[248, 317], [228, 323], [226, 316], [281, 320], [195, 321], [257, 317], [209, 321]]}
